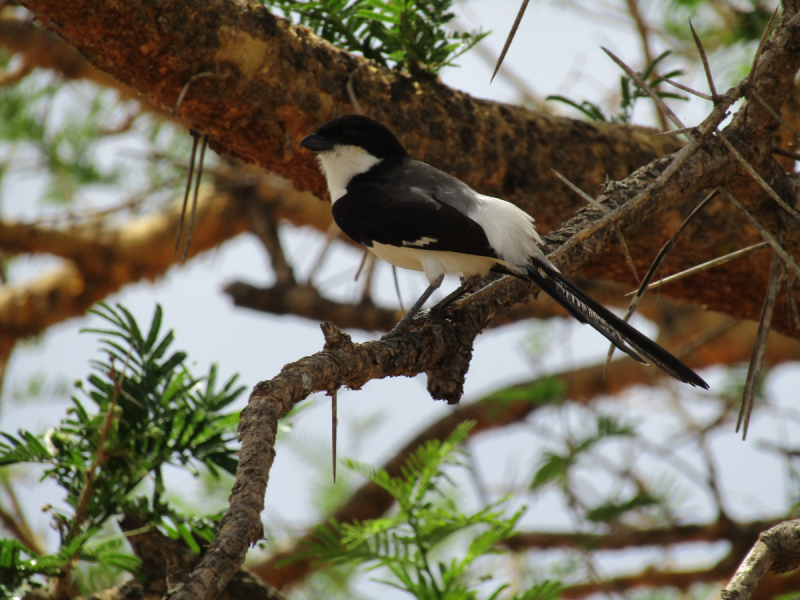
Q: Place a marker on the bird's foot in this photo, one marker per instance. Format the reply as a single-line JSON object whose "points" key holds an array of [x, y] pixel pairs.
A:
{"points": [[402, 326], [405, 322], [467, 285]]}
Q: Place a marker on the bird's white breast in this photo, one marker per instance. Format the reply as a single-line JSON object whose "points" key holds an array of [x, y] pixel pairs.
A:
{"points": [[343, 163], [433, 262]]}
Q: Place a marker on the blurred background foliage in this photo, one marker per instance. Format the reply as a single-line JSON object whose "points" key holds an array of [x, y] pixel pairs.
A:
{"points": [[610, 467]]}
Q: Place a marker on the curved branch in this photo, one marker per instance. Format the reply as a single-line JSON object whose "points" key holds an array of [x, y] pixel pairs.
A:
{"points": [[513, 405], [777, 551]]}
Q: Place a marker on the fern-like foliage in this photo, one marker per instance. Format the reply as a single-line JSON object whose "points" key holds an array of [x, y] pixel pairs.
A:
{"points": [[407, 542], [149, 411], [402, 33]]}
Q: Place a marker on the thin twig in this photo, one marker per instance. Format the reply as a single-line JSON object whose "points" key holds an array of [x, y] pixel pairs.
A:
{"points": [[580, 192], [682, 130], [510, 37], [713, 477], [525, 93], [644, 35], [688, 90], [654, 266], [334, 426], [760, 346], [397, 288], [788, 153], [773, 112], [477, 478], [16, 523], [790, 299], [195, 138], [190, 230], [366, 292], [642, 28], [704, 58], [361, 266], [703, 337], [331, 235], [626, 252], [705, 266], [186, 87], [604, 209], [761, 44], [646, 88], [760, 180], [768, 237], [351, 93], [262, 222]]}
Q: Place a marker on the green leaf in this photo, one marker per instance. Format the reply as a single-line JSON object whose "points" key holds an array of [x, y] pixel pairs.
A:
{"points": [[155, 327], [547, 590], [590, 110], [545, 390], [554, 467], [612, 511]]}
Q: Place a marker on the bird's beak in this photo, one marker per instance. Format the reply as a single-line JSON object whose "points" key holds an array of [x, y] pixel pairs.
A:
{"points": [[317, 143]]}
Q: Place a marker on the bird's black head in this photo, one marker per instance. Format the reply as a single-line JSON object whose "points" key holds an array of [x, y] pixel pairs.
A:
{"points": [[355, 130]]}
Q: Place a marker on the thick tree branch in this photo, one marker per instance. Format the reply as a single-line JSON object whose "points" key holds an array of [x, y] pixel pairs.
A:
{"points": [[777, 551], [275, 83], [722, 529], [101, 261], [681, 580]]}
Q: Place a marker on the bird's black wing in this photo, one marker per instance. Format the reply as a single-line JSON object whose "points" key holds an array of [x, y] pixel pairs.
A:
{"points": [[407, 216]]}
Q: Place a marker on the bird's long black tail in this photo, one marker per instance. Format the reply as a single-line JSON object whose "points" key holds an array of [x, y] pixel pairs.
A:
{"points": [[587, 310]]}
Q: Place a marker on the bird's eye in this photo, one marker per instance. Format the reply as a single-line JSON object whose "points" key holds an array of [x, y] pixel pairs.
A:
{"points": [[349, 134]]}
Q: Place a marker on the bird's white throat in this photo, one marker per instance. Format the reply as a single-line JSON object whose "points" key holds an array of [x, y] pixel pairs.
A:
{"points": [[341, 164]]}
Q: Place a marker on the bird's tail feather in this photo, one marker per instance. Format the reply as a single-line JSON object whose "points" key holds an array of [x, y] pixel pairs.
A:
{"points": [[587, 310]]}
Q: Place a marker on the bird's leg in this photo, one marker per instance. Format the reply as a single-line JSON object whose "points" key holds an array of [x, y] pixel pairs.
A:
{"points": [[405, 321], [467, 285]]}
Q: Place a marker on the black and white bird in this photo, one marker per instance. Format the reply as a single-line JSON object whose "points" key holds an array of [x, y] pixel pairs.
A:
{"points": [[417, 217]]}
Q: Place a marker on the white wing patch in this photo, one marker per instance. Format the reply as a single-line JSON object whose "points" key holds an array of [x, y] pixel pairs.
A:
{"points": [[509, 229], [421, 242]]}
